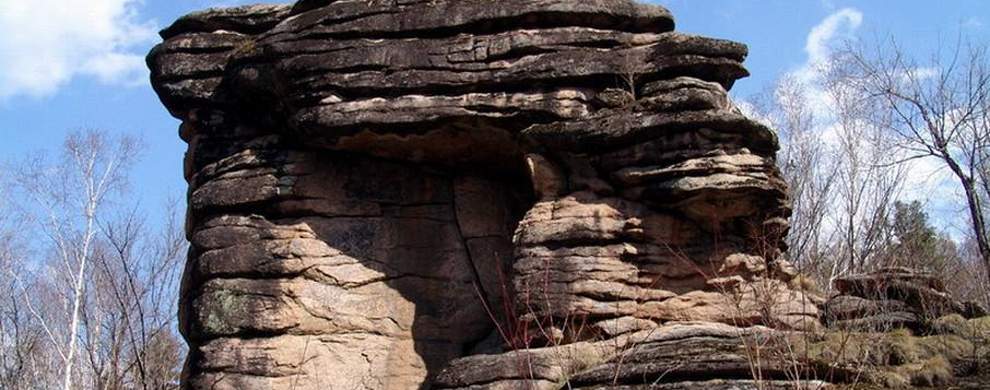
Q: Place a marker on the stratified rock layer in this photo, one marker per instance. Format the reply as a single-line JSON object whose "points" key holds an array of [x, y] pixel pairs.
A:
{"points": [[892, 298], [381, 189]]}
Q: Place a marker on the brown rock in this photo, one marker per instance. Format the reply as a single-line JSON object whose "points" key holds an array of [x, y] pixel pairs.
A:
{"points": [[893, 298], [381, 192]]}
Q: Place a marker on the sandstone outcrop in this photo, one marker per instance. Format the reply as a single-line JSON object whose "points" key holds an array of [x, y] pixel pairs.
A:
{"points": [[677, 355], [382, 189], [892, 298]]}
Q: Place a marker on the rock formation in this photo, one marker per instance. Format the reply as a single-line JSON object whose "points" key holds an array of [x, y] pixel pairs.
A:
{"points": [[892, 298], [382, 189]]}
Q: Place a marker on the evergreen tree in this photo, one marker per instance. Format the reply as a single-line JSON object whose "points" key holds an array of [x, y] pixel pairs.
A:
{"points": [[915, 243]]}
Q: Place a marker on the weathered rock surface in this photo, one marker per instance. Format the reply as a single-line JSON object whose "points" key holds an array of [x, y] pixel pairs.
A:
{"points": [[382, 189], [678, 355], [893, 298]]}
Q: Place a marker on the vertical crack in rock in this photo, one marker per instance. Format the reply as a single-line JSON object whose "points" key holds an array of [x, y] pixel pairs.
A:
{"points": [[358, 168]]}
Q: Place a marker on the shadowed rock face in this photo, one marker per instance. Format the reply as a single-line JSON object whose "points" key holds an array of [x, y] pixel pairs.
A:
{"points": [[378, 188]]}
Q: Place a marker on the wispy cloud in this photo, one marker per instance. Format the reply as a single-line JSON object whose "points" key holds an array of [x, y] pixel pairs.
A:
{"points": [[821, 40], [839, 25], [973, 23], [46, 43]]}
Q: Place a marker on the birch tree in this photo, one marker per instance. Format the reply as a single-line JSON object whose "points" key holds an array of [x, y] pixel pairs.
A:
{"points": [[69, 196]]}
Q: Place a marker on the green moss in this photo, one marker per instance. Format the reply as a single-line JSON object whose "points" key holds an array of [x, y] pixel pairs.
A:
{"points": [[842, 348], [855, 348], [962, 342], [979, 330], [221, 305], [902, 347]]}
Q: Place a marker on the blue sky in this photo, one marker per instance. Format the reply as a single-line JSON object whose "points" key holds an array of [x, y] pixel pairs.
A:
{"points": [[74, 64]]}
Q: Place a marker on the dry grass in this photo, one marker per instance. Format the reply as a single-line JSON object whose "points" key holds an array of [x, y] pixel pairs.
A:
{"points": [[935, 371], [856, 349], [898, 359], [927, 373]]}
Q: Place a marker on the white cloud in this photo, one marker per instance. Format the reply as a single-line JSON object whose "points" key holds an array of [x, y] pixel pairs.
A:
{"points": [[921, 73], [117, 68], [821, 39], [46, 43], [973, 23], [840, 24]]}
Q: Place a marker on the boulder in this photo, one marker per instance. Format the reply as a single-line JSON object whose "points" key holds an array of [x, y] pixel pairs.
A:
{"points": [[687, 355]]}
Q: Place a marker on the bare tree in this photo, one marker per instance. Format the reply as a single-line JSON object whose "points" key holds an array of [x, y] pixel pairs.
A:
{"points": [[89, 303], [869, 180], [631, 65], [806, 165], [140, 272], [70, 194], [937, 111], [842, 179], [971, 280], [20, 341]]}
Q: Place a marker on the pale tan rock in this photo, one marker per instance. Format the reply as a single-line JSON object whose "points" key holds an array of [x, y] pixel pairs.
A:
{"points": [[390, 195]]}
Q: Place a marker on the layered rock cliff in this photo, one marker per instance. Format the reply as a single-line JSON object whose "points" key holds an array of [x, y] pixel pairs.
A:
{"points": [[471, 194]]}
